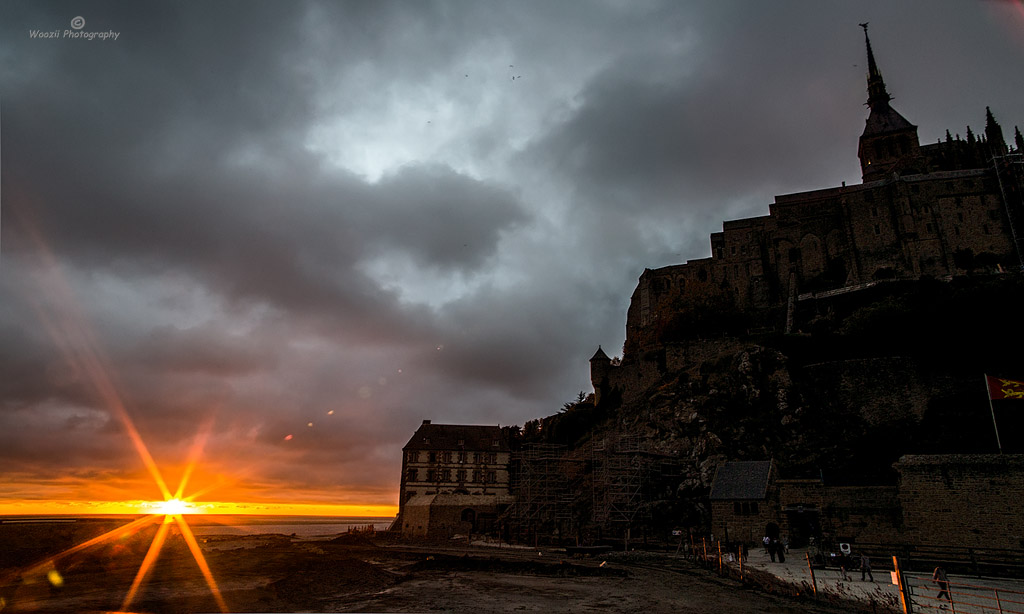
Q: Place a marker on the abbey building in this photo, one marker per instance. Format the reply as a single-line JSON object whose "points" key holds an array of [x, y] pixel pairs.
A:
{"points": [[939, 210]]}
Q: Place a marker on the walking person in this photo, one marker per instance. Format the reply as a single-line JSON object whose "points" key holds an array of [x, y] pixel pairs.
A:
{"points": [[779, 550], [939, 576], [865, 567]]}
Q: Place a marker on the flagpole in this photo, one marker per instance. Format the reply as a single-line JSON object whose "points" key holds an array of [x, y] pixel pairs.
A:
{"points": [[988, 393]]}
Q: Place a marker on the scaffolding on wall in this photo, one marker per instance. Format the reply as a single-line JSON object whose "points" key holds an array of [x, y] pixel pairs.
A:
{"points": [[542, 481], [625, 472]]}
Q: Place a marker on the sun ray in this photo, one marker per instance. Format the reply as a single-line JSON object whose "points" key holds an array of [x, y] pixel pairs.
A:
{"points": [[193, 456], [147, 563], [75, 340], [118, 532], [197, 554]]}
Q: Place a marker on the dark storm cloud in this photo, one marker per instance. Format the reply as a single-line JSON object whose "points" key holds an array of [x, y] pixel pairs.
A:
{"points": [[439, 218]]}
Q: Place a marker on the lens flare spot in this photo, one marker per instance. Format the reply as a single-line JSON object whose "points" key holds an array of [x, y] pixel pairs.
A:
{"points": [[365, 392], [55, 578], [330, 413], [288, 437], [309, 424]]}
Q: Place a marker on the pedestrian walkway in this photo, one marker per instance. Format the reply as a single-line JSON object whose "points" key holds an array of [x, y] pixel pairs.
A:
{"points": [[970, 594]]}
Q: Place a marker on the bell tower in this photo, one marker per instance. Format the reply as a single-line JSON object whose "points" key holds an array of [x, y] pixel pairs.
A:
{"points": [[887, 135]]}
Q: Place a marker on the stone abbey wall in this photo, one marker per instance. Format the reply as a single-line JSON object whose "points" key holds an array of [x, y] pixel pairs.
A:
{"points": [[939, 224], [972, 501]]}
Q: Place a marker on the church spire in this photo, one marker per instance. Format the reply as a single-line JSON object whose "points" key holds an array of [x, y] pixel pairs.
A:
{"points": [[888, 137], [877, 93]]}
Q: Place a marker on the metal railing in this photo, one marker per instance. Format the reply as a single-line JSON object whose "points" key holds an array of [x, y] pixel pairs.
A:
{"points": [[926, 595]]}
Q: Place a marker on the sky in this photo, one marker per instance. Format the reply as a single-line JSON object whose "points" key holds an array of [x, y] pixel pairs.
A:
{"points": [[259, 242]]}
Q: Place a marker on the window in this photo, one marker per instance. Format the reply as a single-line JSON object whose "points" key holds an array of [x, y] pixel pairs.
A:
{"points": [[746, 508], [462, 442], [878, 229], [412, 475], [959, 217], [495, 443], [413, 456], [874, 211], [460, 475], [432, 456], [446, 475], [431, 475], [447, 457], [928, 227], [462, 456], [492, 477], [476, 475]]}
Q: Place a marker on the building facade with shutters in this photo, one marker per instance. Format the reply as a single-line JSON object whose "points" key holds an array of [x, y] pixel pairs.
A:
{"points": [[455, 480]]}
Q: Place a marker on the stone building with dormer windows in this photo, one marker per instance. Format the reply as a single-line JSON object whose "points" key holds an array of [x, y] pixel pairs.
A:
{"points": [[455, 480]]}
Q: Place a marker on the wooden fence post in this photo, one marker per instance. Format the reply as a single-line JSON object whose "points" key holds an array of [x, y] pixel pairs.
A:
{"points": [[904, 597], [814, 582]]}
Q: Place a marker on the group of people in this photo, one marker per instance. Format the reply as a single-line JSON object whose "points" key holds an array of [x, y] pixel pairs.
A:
{"points": [[775, 547]]}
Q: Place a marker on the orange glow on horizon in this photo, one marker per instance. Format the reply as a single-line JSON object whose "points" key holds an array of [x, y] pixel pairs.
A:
{"points": [[227, 508]]}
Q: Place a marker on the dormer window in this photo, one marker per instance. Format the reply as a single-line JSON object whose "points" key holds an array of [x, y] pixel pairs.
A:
{"points": [[495, 443], [462, 442]]}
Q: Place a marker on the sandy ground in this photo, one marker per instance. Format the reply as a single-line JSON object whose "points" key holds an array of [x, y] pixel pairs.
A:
{"points": [[353, 574]]}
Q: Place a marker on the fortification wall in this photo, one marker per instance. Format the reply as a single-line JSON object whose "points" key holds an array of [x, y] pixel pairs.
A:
{"points": [[636, 374], [963, 500]]}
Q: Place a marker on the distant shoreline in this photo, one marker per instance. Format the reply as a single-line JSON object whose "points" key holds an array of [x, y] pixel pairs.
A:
{"points": [[200, 519]]}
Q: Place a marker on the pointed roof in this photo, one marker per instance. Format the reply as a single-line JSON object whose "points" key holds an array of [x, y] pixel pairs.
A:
{"points": [[883, 118], [877, 93], [600, 355]]}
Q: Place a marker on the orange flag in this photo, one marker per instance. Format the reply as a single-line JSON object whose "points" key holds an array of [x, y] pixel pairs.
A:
{"points": [[999, 388]]}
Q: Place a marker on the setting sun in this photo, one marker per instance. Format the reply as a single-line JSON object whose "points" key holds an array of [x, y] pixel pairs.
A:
{"points": [[173, 507]]}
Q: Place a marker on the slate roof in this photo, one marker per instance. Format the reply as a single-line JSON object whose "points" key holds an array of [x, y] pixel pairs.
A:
{"points": [[741, 480], [447, 437], [884, 119]]}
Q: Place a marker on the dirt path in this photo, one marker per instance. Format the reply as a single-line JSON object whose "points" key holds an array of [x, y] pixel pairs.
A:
{"points": [[276, 574]]}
